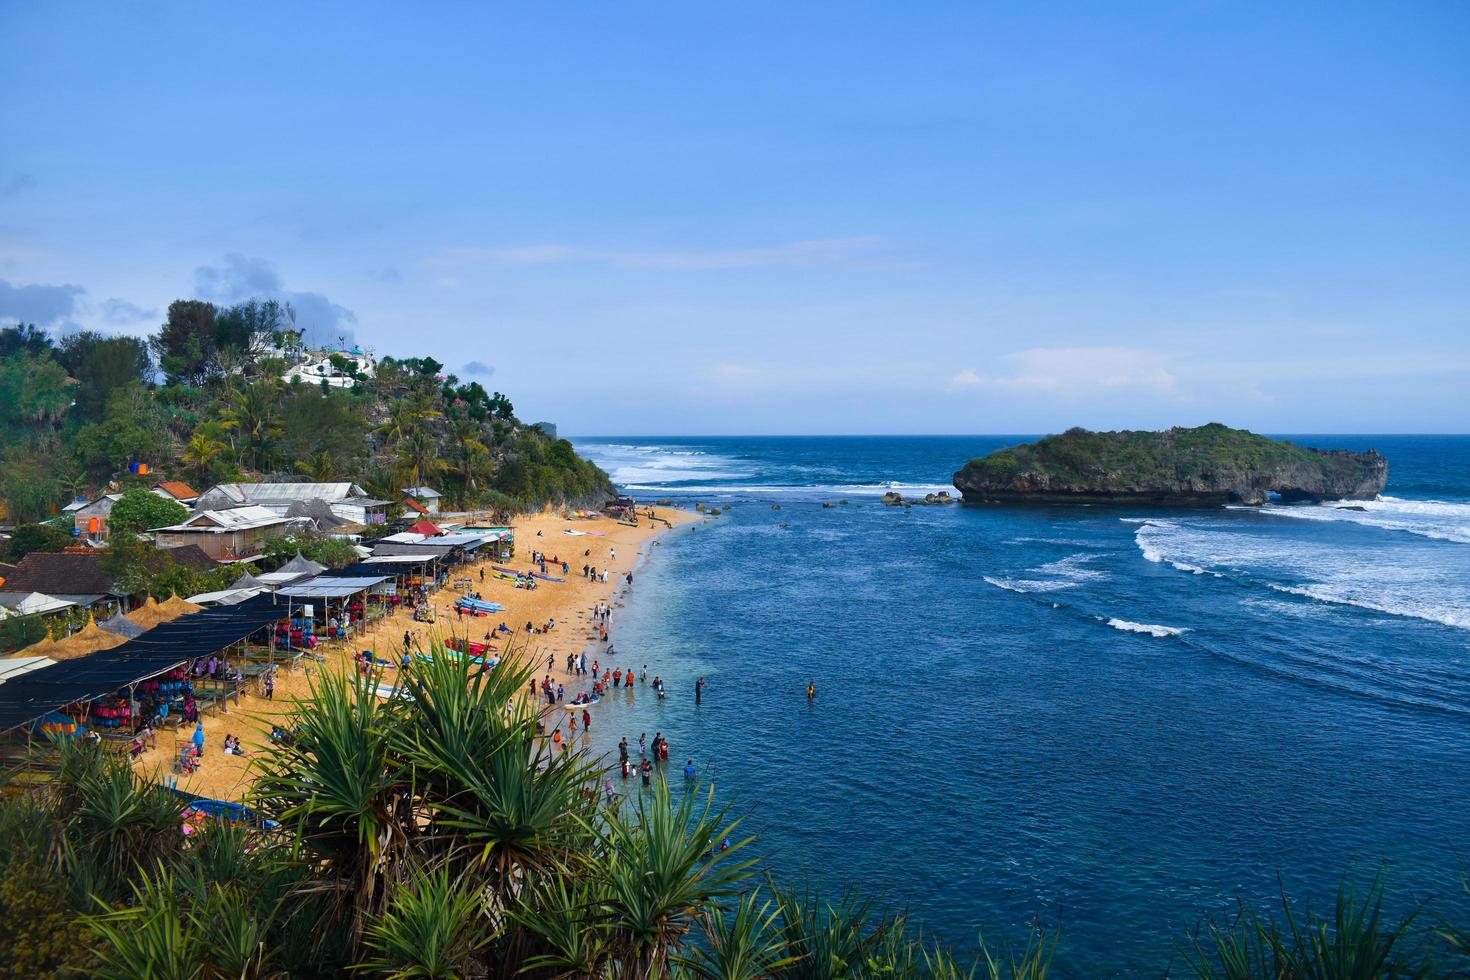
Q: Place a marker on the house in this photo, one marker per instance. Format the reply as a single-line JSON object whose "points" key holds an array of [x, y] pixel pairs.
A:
{"points": [[177, 490], [427, 497], [233, 534], [327, 367], [347, 501], [90, 518], [74, 576]]}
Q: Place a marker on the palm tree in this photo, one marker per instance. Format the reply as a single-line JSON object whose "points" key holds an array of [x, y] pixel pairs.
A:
{"points": [[418, 458], [201, 451], [252, 411], [321, 466]]}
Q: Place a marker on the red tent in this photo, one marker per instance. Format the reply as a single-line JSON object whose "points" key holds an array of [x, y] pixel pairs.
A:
{"points": [[424, 527]]}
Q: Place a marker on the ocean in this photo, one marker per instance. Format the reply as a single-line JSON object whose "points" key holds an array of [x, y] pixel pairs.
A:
{"points": [[1112, 721]]}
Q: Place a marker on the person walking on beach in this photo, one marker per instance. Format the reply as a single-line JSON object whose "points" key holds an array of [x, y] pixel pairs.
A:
{"points": [[269, 683], [586, 720]]}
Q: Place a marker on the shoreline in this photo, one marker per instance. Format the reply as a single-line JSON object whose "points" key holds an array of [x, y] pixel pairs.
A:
{"points": [[570, 604]]}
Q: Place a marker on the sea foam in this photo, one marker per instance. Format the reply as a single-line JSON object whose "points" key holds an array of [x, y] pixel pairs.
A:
{"points": [[1149, 628]]}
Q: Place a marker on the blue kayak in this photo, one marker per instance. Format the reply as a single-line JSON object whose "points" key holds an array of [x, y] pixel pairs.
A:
{"points": [[479, 604]]}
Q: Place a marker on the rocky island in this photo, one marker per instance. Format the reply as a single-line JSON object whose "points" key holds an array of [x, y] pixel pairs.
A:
{"points": [[1208, 465]]}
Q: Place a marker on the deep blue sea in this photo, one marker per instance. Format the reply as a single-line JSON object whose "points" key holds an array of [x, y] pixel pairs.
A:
{"points": [[1111, 721]]}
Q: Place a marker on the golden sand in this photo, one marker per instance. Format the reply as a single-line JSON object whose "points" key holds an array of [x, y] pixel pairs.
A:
{"points": [[228, 777]]}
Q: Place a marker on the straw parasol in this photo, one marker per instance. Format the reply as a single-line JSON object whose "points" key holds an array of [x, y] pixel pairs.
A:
{"points": [[88, 639], [176, 607], [41, 648], [149, 614]]}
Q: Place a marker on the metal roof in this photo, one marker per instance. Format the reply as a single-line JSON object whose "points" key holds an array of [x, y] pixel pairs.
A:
{"points": [[330, 587], [233, 519]]}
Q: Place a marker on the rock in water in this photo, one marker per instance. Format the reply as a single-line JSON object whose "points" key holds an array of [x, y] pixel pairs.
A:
{"points": [[1209, 465]]}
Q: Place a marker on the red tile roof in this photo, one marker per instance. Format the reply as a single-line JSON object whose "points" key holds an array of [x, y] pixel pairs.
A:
{"points": [[177, 489]]}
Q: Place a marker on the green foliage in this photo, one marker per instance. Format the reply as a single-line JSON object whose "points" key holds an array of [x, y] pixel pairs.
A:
{"points": [[133, 427], [185, 344], [541, 470], [1207, 455], [35, 537], [138, 510], [102, 365], [1356, 943], [74, 417]]}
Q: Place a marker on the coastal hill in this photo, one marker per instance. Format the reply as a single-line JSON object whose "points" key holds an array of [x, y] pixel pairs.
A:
{"points": [[1209, 465]]}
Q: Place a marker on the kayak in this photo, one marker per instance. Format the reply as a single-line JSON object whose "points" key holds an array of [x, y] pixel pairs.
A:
{"points": [[455, 643], [512, 571], [456, 656], [479, 605]]}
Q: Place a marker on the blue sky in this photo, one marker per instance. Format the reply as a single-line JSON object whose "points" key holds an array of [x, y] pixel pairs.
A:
{"points": [[757, 218]]}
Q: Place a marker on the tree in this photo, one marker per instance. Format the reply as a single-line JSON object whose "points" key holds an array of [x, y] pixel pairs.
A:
{"points": [[102, 365], [185, 344], [418, 458], [36, 537], [24, 337], [251, 328], [142, 510], [252, 412], [203, 449], [133, 429]]}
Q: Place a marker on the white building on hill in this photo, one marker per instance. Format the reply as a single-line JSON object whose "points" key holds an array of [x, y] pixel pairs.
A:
{"points": [[318, 366]]}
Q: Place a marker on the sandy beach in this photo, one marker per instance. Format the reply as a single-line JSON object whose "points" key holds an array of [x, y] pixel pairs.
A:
{"points": [[570, 604]]}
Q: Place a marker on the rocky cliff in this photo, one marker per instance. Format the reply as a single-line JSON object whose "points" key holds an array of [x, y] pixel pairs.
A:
{"points": [[1209, 465]]}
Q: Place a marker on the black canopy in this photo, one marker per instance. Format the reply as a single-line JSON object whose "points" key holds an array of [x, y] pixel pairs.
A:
{"points": [[164, 647]]}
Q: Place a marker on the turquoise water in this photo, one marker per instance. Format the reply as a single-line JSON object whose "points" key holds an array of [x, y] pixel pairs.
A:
{"points": [[1112, 721]]}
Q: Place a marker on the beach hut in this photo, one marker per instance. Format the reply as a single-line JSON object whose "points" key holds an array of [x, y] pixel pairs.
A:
{"points": [[427, 528]]}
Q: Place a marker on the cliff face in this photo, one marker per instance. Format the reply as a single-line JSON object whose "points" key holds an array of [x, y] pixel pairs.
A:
{"points": [[1209, 465]]}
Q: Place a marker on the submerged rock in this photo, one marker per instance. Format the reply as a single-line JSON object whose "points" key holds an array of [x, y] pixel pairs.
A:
{"points": [[1209, 465]]}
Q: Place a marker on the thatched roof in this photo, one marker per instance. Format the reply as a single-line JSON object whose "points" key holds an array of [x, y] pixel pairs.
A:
{"points": [[176, 607], [89, 639], [148, 614]]}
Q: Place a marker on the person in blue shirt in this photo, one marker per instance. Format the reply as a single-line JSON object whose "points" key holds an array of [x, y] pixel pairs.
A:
{"points": [[690, 772]]}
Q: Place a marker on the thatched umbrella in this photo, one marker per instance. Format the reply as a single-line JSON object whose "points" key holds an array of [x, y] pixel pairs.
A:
{"points": [[149, 614], [173, 607], [88, 639]]}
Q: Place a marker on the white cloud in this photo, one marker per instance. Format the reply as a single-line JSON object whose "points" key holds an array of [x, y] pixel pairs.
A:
{"points": [[1076, 370], [965, 379], [813, 253]]}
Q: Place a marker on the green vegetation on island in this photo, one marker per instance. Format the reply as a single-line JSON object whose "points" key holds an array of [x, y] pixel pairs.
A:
{"points": [[1210, 464]]}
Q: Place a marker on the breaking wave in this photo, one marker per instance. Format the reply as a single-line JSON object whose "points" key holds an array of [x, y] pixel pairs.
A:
{"points": [[1149, 628]]}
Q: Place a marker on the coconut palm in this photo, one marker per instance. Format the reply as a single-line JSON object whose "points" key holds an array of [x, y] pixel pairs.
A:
{"points": [[201, 451], [418, 458], [252, 411], [321, 467]]}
